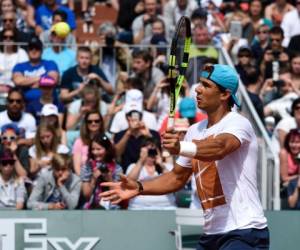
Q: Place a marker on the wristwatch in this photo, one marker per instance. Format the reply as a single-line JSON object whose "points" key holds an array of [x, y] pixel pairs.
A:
{"points": [[140, 186]]}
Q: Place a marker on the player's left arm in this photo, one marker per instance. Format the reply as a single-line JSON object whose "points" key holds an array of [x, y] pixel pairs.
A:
{"points": [[216, 148], [211, 148]]}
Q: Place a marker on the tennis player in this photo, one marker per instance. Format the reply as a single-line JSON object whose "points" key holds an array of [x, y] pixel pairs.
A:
{"points": [[221, 151]]}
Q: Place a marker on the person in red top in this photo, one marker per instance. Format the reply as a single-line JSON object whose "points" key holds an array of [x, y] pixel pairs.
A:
{"points": [[187, 109]]}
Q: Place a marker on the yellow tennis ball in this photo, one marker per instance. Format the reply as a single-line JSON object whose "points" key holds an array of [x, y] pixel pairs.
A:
{"points": [[61, 29]]}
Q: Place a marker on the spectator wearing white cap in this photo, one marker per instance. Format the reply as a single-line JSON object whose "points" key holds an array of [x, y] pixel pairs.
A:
{"points": [[133, 101], [48, 96], [128, 142], [50, 115]]}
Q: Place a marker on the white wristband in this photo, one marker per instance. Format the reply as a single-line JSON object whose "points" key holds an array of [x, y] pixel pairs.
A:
{"points": [[188, 149]]}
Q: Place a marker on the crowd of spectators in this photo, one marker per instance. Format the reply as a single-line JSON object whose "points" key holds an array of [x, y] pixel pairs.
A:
{"points": [[84, 107]]}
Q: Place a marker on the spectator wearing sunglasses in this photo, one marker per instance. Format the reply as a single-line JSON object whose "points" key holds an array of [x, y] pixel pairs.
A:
{"points": [[92, 125], [9, 141], [15, 114], [275, 52], [10, 55], [9, 21], [12, 188], [260, 42]]}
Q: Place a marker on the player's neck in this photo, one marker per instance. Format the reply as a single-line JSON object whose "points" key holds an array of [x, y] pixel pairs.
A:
{"points": [[216, 116]]}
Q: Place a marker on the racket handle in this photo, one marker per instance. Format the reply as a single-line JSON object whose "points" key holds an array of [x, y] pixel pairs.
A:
{"points": [[171, 122]]}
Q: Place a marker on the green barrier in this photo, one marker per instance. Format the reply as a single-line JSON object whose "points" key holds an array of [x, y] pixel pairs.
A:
{"points": [[116, 230]]}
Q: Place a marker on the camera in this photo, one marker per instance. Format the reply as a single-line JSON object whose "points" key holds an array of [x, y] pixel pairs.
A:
{"points": [[276, 54], [109, 40], [152, 152], [278, 83], [94, 82], [297, 159], [103, 168]]}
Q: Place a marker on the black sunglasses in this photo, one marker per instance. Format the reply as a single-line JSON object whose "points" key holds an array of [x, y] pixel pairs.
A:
{"points": [[18, 101], [93, 121], [7, 162], [244, 55], [8, 20]]}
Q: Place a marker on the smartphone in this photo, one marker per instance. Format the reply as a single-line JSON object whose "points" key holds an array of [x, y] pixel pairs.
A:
{"points": [[236, 29]]}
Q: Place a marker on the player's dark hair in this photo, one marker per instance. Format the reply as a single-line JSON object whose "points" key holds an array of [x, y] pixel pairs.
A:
{"points": [[223, 90]]}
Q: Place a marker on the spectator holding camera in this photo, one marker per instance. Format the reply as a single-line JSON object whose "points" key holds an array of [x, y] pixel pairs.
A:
{"points": [[100, 167], [148, 166], [92, 125], [27, 75], [115, 55], [12, 188], [141, 25], [290, 157], [75, 78], [279, 107], [133, 101], [294, 73], [90, 100], [128, 141], [57, 188], [276, 57], [9, 141]]}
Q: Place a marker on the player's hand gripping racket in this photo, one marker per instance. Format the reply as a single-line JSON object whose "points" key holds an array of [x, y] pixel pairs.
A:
{"points": [[178, 62]]}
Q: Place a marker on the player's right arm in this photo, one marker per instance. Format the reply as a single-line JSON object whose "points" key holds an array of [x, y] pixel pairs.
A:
{"points": [[166, 183]]}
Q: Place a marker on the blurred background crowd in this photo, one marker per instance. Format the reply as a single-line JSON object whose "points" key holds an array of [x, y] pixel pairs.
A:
{"points": [[84, 95]]}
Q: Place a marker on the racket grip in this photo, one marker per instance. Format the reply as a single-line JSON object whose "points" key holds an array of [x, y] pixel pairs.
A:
{"points": [[171, 122]]}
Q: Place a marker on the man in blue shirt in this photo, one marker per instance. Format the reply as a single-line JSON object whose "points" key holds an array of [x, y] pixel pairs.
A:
{"points": [[43, 15], [27, 75]]}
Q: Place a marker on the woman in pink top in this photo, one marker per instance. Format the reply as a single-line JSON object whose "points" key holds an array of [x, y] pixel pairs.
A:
{"points": [[290, 156], [92, 125]]}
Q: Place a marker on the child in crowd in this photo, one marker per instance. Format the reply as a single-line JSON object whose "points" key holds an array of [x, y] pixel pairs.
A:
{"points": [[47, 143], [12, 188], [100, 166]]}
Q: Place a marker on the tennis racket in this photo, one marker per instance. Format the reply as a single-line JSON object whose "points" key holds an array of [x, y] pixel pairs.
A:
{"points": [[178, 62]]}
